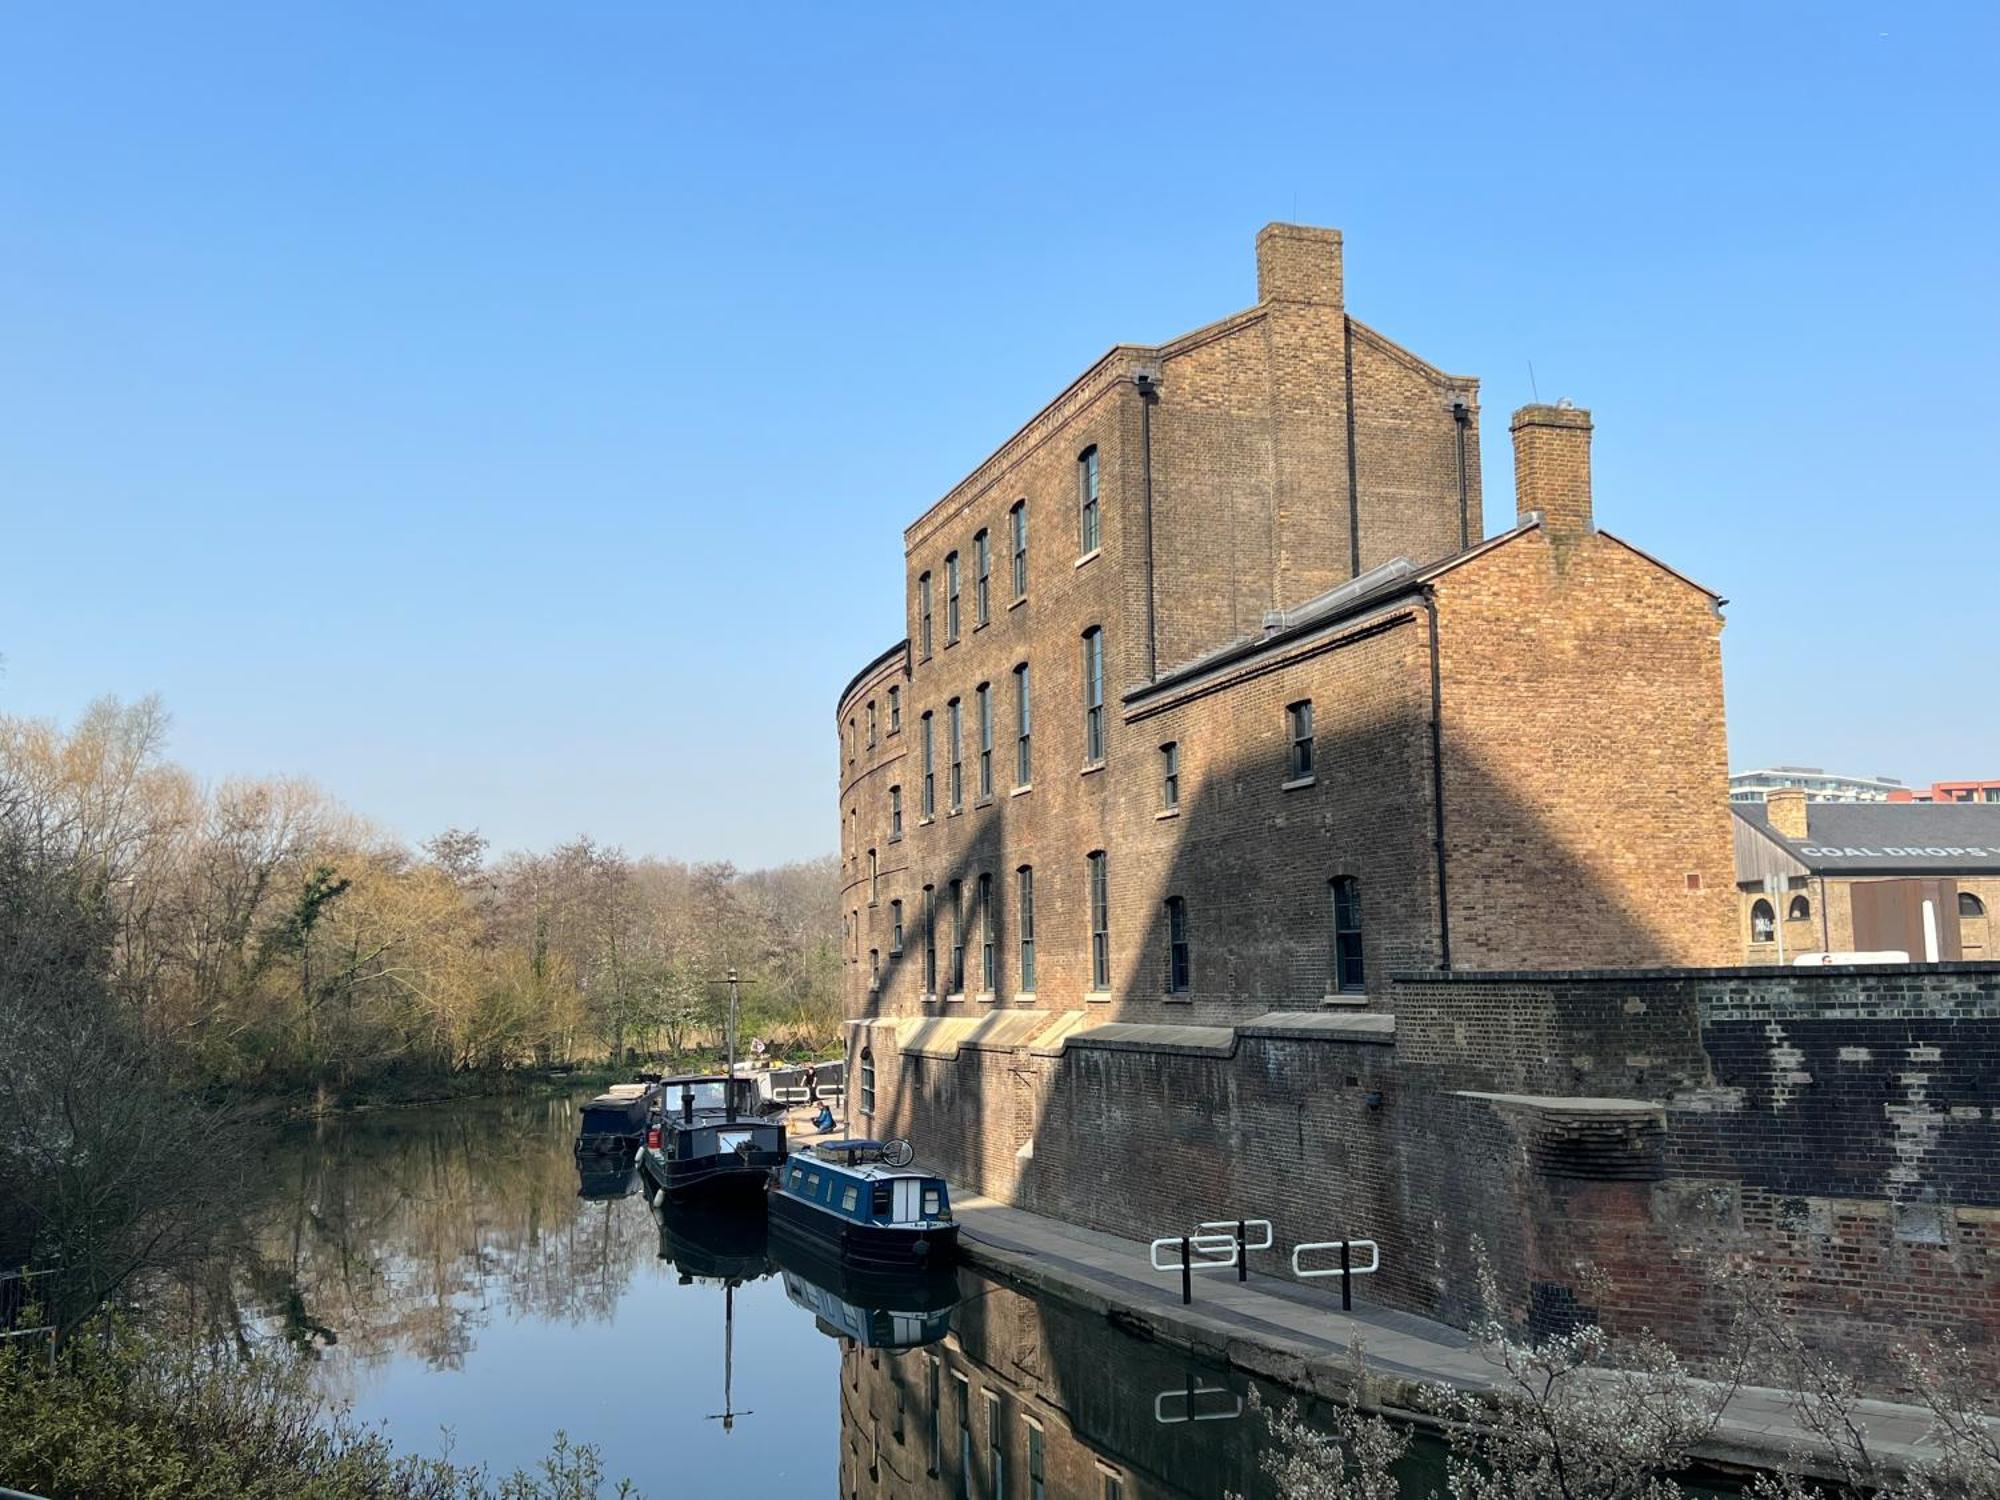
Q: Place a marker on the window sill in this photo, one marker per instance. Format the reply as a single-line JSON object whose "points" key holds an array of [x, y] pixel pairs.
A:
{"points": [[1172, 999], [1097, 997], [986, 801], [1092, 769], [926, 820], [981, 626], [1172, 812], [1296, 783], [895, 838], [1345, 997], [877, 901], [954, 999], [895, 953], [1024, 997], [950, 643], [1018, 602], [986, 999], [1089, 557], [1022, 790], [954, 812]]}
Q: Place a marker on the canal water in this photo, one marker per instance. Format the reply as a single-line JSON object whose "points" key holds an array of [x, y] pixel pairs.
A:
{"points": [[460, 1283]]}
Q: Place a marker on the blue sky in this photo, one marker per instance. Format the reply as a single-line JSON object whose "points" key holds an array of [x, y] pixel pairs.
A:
{"points": [[506, 415]]}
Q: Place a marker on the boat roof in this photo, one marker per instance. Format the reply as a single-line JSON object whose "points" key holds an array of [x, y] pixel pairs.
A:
{"points": [[625, 1091], [704, 1078], [874, 1171]]}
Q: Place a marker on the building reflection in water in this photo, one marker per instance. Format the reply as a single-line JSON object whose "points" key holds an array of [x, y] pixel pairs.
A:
{"points": [[1019, 1398]]}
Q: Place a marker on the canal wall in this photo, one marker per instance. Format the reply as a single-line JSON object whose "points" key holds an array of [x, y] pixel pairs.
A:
{"points": [[1609, 1138]]}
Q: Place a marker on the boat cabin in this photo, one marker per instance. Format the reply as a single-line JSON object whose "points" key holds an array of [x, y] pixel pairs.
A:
{"points": [[700, 1093], [850, 1180]]}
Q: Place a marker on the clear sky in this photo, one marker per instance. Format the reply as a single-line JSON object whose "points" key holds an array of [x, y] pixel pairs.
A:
{"points": [[507, 415]]}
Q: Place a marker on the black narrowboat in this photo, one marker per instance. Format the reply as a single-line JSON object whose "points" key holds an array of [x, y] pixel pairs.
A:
{"points": [[902, 1309], [615, 1121], [708, 1140], [861, 1203]]}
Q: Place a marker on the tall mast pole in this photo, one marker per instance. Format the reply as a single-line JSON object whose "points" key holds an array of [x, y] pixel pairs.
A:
{"points": [[729, 1089]]}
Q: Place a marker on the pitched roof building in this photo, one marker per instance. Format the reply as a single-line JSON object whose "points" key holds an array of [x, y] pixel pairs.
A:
{"points": [[1216, 698]]}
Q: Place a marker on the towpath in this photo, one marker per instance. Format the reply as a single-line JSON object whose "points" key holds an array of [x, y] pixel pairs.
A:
{"points": [[1297, 1335]]}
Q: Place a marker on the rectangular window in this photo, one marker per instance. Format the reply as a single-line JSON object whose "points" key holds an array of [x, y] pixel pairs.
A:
{"points": [[848, 740], [895, 710], [928, 802], [874, 880], [1086, 486], [985, 701], [850, 1197], [1170, 776], [930, 940], [1299, 721], [950, 598], [989, 957], [957, 971], [871, 723], [964, 1390], [1017, 521], [1180, 964], [996, 1448], [867, 1081], [982, 570], [1114, 1487], [1093, 695], [895, 928], [1347, 972], [954, 725], [874, 968], [1024, 918], [1038, 1463], [937, 1410], [923, 615], [1024, 760], [1100, 923], [895, 813]]}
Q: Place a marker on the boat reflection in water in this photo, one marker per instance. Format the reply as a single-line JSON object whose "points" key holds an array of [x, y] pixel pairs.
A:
{"points": [[711, 1246], [874, 1309], [599, 1179]]}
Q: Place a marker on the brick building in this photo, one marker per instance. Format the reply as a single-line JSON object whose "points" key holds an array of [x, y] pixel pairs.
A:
{"points": [[1239, 830], [1917, 878], [1216, 699]]}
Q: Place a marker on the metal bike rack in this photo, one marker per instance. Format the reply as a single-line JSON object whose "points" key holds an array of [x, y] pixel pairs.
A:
{"points": [[1194, 1388], [1223, 1246], [1346, 1270]]}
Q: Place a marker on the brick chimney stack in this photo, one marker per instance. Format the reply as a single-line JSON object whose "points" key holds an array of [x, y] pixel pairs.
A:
{"points": [[1552, 468], [1297, 263], [1787, 809]]}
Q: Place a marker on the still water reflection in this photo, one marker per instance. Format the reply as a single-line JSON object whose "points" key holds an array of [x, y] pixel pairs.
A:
{"points": [[453, 1272]]}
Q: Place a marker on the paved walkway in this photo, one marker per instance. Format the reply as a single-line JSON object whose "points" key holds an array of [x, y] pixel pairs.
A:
{"points": [[1297, 1336]]}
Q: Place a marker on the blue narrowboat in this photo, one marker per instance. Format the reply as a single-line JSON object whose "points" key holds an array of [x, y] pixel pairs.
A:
{"points": [[709, 1141], [862, 1204]]}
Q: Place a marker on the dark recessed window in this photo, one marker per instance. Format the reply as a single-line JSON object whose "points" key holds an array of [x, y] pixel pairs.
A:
{"points": [[984, 702], [1093, 695], [923, 614], [982, 570], [1801, 910], [1347, 971], [989, 936], [954, 727], [1100, 923], [867, 1081], [874, 879], [930, 940], [1017, 526], [1024, 918], [1024, 760], [927, 802], [1170, 776], [1970, 905], [1179, 961], [895, 927], [1763, 922], [895, 710], [1087, 522], [950, 598], [895, 813], [956, 973], [1299, 724]]}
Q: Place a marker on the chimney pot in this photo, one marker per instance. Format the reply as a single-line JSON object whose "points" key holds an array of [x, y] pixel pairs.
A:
{"points": [[1298, 263], [1552, 467]]}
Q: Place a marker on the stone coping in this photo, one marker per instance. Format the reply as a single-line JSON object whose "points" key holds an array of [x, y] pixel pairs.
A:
{"points": [[1561, 1104], [1986, 968], [1139, 1036], [1341, 1026]]}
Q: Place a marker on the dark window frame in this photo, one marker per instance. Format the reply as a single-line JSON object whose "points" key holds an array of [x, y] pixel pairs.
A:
{"points": [[951, 582], [1017, 536], [1299, 729], [1024, 919], [1180, 954], [1170, 776], [1093, 696], [1098, 867], [1024, 754], [1349, 971], [982, 571], [1089, 496]]}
